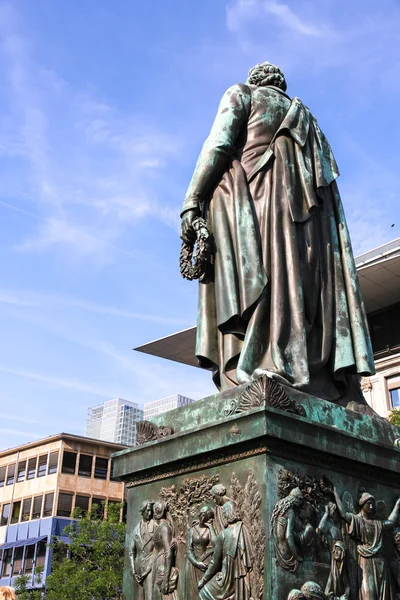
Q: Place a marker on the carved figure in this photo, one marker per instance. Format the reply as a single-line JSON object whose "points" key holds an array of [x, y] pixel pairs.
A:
{"points": [[227, 576], [338, 585], [395, 564], [309, 591], [284, 298], [165, 573], [283, 524], [368, 533], [328, 528], [141, 551], [199, 548], [306, 534], [218, 493]]}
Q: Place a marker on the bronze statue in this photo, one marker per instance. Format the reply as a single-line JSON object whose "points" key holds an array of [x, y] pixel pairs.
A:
{"points": [[199, 548], [218, 494], [368, 533], [328, 529], [141, 551], [165, 573], [283, 524], [395, 564], [338, 585], [227, 576], [283, 298]]}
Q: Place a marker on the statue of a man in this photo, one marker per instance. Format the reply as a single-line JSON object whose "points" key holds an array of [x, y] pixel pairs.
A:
{"points": [[284, 297], [141, 551]]}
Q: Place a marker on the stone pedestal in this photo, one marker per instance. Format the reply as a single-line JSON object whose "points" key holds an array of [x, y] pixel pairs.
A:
{"points": [[263, 443]]}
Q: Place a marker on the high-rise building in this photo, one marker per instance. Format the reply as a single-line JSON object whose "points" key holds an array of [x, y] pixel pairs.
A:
{"points": [[41, 483], [158, 407], [114, 421]]}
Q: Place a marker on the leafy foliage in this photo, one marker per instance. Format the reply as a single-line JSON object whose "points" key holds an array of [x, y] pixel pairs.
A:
{"points": [[394, 417], [92, 565], [22, 585]]}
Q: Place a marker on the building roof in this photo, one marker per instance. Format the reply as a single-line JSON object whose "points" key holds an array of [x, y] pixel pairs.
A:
{"points": [[61, 436], [379, 275]]}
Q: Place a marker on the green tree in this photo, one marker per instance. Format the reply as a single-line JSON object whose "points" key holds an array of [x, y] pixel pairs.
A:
{"points": [[92, 565], [394, 417], [22, 586]]}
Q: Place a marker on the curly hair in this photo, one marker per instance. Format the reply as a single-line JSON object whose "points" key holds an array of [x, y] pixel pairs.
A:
{"points": [[267, 74], [7, 593], [295, 498]]}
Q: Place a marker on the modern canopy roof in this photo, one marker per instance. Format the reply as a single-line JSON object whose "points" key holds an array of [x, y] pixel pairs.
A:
{"points": [[379, 275]]}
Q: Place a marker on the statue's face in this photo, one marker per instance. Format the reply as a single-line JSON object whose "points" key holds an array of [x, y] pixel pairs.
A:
{"points": [[369, 507], [219, 500], [147, 513], [337, 553], [203, 516], [158, 510]]}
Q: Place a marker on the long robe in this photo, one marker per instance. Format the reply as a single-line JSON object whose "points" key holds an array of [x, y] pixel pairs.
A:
{"points": [[284, 296]]}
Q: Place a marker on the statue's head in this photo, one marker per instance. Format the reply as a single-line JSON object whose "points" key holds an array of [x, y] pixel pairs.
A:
{"points": [[312, 591], [367, 504], [230, 513], [160, 510], [295, 595], [267, 74], [296, 496], [206, 514], [397, 540], [218, 492], [338, 551], [146, 510]]}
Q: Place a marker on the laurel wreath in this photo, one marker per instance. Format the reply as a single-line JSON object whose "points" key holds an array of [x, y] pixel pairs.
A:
{"points": [[194, 258]]}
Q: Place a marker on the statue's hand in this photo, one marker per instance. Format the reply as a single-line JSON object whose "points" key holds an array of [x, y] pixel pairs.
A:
{"points": [[202, 566], [138, 577], [187, 233], [201, 584]]}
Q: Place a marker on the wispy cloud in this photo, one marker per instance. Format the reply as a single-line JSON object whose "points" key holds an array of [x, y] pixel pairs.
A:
{"points": [[56, 382], [25, 434]]}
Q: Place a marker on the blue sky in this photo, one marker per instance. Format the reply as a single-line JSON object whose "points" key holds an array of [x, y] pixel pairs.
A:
{"points": [[103, 110]]}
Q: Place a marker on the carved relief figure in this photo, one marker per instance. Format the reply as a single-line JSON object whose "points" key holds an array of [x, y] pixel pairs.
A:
{"points": [[227, 576], [165, 574], [306, 533], [328, 529], [395, 564], [338, 585], [367, 532], [283, 522], [141, 553], [309, 591], [218, 493], [199, 548]]}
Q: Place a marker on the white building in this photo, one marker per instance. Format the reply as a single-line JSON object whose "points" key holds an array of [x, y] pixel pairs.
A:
{"points": [[158, 407], [114, 421]]}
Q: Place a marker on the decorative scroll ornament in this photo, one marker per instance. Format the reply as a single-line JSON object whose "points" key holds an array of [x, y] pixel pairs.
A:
{"points": [[146, 431], [263, 391], [194, 258]]}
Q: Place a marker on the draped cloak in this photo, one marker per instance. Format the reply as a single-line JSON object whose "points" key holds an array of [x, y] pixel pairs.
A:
{"points": [[284, 296]]}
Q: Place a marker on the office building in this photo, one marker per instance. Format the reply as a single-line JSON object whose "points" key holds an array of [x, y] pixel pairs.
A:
{"points": [[158, 407], [114, 421], [41, 483], [379, 275]]}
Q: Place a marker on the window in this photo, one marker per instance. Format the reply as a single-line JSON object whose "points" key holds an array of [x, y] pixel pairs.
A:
{"points": [[48, 504], [53, 462], [16, 511], [17, 565], [32, 468], [5, 513], [6, 570], [69, 463], [26, 509], [11, 474], [85, 465], [2, 476], [29, 555], [37, 507], [42, 465], [98, 508], [82, 502], [393, 386], [41, 554], [100, 468], [64, 505], [21, 470]]}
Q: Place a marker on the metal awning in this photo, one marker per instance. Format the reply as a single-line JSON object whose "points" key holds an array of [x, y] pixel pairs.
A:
{"points": [[19, 543]]}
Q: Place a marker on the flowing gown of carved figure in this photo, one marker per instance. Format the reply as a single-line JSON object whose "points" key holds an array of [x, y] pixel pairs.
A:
{"points": [[285, 296], [164, 561], [199, 548], [375, 576], [228, 572]]}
